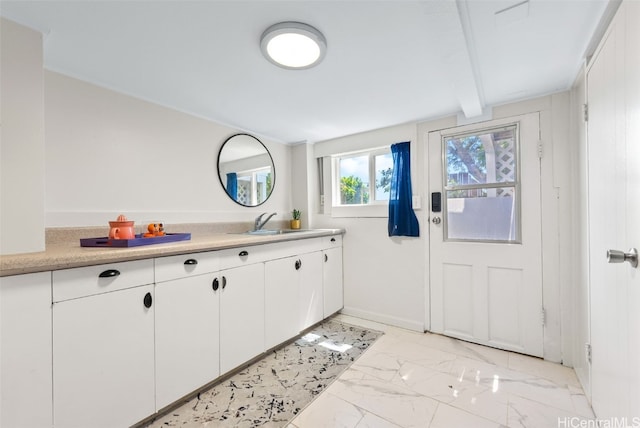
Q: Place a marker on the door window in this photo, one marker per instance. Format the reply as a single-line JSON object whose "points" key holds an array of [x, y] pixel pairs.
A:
{"points": [[482, 190]]}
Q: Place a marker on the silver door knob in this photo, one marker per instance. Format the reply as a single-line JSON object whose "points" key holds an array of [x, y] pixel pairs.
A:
{"points": [[436, 220], [617, 256]]}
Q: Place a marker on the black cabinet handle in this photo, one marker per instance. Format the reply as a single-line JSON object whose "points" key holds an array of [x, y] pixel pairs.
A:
{"points": [[333, 239], [148, 300], [326, 258], [224, 282], [216, 284], [191, 262], [110, 273], [243, 253], [298, 264]]}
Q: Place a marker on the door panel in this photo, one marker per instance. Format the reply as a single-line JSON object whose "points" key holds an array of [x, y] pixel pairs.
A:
{"points": [[458, 299], [613, 87], [486, 269]]}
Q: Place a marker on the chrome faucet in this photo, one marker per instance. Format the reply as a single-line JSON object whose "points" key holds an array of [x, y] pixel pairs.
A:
{"points": [[259, 224]]}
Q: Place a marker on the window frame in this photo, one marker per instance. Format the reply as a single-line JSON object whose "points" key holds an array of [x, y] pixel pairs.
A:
{"points": [[375, 207], [480, 186], [253, 183]]}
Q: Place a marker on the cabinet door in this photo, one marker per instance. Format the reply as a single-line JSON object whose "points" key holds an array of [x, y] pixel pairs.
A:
{"points": [[282, 321], [311, 300], [103, 359], [332, 281], [25, 350], [187, 336], [241, 315]]}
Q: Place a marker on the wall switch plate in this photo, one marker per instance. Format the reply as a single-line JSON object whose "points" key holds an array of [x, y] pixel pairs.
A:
{"points": [[415, 201]]}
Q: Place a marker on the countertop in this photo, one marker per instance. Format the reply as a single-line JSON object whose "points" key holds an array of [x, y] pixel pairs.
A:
{"points": [[66, 255]]}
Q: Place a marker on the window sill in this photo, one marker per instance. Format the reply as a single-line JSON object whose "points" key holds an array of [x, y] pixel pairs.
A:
{"points": [[378, 210]]}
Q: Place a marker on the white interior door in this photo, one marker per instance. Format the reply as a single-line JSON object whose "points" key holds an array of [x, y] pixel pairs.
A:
{"points": [[613, 87], [485, 243]]}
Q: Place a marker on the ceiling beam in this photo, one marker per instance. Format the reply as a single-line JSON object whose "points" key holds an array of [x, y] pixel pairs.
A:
{"points": [[449, 24]]}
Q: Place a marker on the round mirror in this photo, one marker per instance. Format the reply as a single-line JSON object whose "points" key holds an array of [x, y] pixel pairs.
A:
{"points": [[246, 170]]}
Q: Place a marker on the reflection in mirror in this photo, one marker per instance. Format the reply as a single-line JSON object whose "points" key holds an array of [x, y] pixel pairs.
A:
{"points": [[246, 170]]}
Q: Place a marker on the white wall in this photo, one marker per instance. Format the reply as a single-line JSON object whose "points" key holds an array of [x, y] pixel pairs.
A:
{"points": [[386, 279], [22, 149], [109, 153]]}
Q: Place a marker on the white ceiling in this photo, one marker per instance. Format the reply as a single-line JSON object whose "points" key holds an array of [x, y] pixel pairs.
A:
{"points": [[388, 62]]}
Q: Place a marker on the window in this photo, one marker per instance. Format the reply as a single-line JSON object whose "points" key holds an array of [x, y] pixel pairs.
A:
{"points": [[362, 178], [482, 186], [254, 186]]}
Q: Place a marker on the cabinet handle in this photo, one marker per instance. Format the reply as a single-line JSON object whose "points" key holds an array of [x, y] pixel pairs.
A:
{"points": [[298, 264], [243, 253], [191, 262], [216, 284], [224, 282], [333, 239], [148, 300], [326, 258], [110, 273]]}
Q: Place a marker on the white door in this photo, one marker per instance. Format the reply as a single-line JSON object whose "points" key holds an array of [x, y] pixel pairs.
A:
{"points": [[103, 359], [485, 241], [332, 281], [613, 85], [241, 315], [282, 297], [311, 294], [187, 335]]}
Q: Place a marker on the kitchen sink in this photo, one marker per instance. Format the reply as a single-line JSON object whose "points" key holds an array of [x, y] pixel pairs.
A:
{"points": [[271, 231]]}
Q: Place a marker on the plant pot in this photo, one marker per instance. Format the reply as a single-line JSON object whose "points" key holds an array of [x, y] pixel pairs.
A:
{"points": [[295, 224]]}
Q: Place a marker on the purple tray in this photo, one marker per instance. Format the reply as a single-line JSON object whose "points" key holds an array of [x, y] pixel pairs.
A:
{"points": [[135, 242]]}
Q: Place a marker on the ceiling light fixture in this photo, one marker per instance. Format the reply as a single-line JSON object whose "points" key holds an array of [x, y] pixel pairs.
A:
{"points": [[293, 45]]}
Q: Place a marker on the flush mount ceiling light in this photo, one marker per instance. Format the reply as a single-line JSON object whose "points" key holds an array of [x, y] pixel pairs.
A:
{"points": [[293, 45]]}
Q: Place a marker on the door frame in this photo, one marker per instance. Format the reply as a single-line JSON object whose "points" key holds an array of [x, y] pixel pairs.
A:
{"points": [[556, 271]]}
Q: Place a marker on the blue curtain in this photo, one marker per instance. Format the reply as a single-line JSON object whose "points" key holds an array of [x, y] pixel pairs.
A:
{"points": [[232, 185], [402, 219]]}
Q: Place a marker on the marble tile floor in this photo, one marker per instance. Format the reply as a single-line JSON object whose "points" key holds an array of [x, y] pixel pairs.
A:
{"points": [[408, 379], [271, 391]]}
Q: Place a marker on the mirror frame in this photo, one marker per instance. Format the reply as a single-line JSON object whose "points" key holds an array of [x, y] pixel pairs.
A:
{"points": [[273, 169]]}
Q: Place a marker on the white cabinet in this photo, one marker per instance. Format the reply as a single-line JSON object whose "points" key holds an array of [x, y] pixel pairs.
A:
{"points": [[25, 350], [332, 281], [103, 345], [311, 300], [332, 278], [187, 335], [241, 315], [282, 297], [109, 345]]}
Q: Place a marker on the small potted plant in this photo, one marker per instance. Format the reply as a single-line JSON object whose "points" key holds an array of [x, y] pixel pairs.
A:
{"points": [[295, 223]]}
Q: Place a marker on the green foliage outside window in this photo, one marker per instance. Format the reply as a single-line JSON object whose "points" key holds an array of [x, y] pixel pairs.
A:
{"points": [[353, 191]]}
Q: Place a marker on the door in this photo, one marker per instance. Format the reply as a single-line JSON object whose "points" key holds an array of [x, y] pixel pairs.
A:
{"points": [[103, 359], [485, 238], [281, 292], [332, 281], [613, 133], [187, 335], [241, 315], [311, 293]]}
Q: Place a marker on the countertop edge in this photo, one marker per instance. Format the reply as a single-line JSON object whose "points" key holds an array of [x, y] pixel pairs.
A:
{"points": [[67, 256]]}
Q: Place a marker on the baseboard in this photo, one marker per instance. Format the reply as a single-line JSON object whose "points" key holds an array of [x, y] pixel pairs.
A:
{"points": [[384, 319]]}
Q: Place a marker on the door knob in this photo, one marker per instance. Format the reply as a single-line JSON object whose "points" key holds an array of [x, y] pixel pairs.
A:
{"points": [[436, 220], [617, 256]]}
